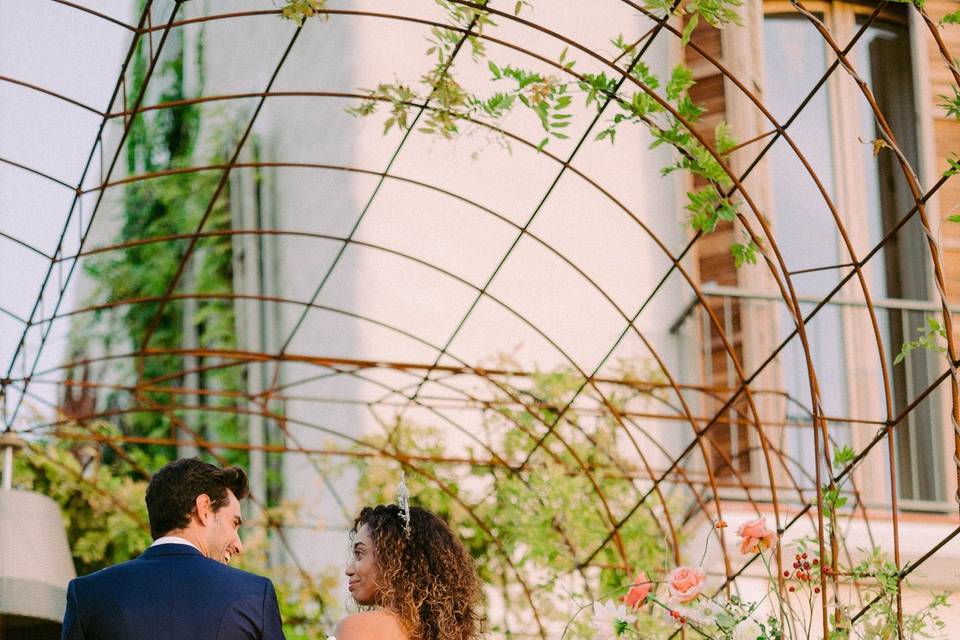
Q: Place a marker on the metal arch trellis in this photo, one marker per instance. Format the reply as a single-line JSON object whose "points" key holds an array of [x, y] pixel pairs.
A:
{"points": [[699, 424]]}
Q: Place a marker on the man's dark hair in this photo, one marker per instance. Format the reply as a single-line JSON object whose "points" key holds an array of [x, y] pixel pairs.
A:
{"points": [[174, 489]]}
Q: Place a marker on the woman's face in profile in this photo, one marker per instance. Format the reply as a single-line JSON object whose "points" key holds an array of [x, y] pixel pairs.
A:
{"points": [[362, 569]]}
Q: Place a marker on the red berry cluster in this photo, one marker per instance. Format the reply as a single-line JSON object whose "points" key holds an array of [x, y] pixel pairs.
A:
{"points": [[676, 616], [801, 570]]}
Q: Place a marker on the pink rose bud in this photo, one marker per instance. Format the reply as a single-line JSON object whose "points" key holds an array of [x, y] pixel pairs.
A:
{"points": [[638, 591]]}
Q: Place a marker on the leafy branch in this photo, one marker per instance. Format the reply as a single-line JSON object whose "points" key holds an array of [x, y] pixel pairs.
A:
{"points": [[928, 339], [299, 10]]}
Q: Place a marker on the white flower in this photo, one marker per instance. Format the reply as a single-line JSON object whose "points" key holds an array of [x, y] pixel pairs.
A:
{"points": [[610, 620], [747, 630]]}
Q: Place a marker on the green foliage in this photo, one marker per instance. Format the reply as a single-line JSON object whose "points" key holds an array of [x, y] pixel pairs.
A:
{"points": [[707, 208], [102, 506], [952, 104], [299, 10], [519, 5], [717, 13], [596, 88], [664, 7], [549, 99], [842, 456], [544, 95], [400, 97], [160, 207], [950, 18], [723, 137], [954, 167], [745, 253], [878, 579], [833, 499], [928, 339], [450, 102], [681, 79], [543, 519]]}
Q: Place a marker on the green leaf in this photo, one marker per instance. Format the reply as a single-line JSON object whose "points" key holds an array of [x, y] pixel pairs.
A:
{"points": [[744, 253], [688, 29], [725, 621], [642, 73], [726, 210], [842, 456], [494, 69], [688, 110], [681, 79], [951, 18], [724, 139], [930, 334], [954, 164], [665, 6], [610, 132], [952, 105], [718, 13]]}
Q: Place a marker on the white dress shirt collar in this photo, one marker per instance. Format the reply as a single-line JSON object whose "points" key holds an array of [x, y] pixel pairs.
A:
{"points": [[173, 540]]}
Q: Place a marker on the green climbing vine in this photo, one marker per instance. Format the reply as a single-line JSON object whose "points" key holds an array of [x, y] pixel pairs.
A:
{"points": [[549, 98], [170, 205]]}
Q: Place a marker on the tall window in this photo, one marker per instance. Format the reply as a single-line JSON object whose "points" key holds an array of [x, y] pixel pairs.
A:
{"points": [[872, 190]]}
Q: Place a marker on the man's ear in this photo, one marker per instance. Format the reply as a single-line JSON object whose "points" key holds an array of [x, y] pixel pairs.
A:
{"points": [[204, 509]]}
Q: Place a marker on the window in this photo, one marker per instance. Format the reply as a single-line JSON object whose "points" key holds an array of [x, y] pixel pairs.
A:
{"points": [[872, 196]]}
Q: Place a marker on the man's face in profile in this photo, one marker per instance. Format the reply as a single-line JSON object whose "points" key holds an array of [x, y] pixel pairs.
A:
{"points": [[223, 533]]}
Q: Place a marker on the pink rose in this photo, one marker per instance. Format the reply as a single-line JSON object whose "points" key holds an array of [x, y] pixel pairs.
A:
{"points": [[638, 591], [685, 583], [755, 537]]}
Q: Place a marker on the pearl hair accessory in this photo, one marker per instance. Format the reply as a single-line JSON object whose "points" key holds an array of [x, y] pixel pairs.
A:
{"points": [[403, 501]]}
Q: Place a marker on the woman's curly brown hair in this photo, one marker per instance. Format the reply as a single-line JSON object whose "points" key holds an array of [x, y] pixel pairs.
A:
{"points": [[427, 578]]}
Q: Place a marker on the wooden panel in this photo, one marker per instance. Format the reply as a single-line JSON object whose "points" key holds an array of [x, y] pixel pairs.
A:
{"points": [[940, 77], [715, 264], [708, 39], [947, 142]]}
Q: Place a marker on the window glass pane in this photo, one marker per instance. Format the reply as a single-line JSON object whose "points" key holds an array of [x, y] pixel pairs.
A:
{"points": [[795, 62], [900, 269], [805, 229]]}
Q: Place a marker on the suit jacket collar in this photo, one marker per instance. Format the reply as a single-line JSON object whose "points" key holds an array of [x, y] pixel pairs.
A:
{"points": [[170, 550]]}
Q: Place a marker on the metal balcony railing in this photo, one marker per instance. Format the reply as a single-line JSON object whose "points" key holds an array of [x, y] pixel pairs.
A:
{"points": [[841, 339]]}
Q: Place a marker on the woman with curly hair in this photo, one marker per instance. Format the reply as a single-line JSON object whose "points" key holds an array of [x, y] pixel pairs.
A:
{"points": [[415, 578]]}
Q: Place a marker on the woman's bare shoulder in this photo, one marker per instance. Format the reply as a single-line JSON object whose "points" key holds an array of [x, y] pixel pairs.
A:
{"points": [[370, 625]]}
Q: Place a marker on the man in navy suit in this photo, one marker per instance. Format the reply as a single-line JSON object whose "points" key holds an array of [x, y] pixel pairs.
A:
{"points": [[181, 587]]}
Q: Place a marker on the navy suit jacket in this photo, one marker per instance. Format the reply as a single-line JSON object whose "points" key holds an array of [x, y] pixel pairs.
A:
{"points": [[171, 592]]}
